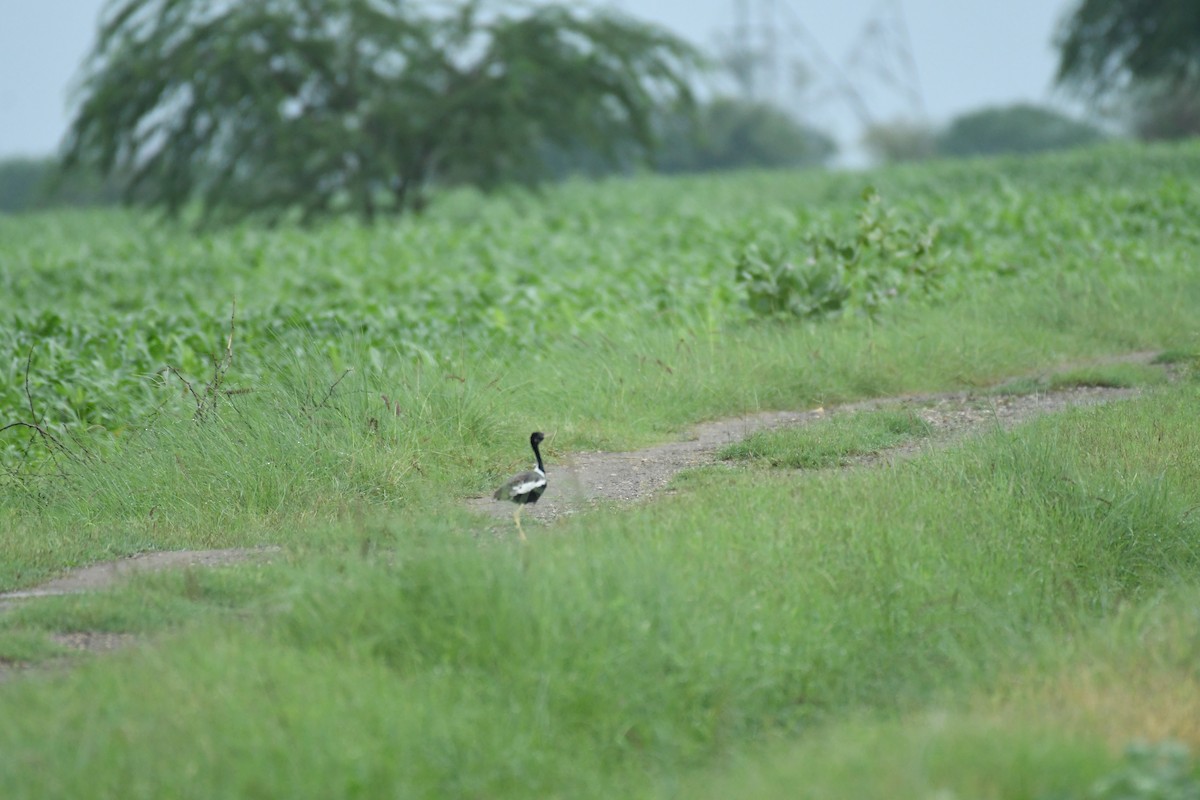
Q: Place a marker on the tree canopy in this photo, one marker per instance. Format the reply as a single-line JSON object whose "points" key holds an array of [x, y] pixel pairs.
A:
{"points": [[1105, 45], [269, 107]]}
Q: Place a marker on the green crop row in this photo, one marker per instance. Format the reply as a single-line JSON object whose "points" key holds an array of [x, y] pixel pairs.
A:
{"points": [[100, 306]]}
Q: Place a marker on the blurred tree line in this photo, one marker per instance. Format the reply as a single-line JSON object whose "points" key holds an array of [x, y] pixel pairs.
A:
{"points": [[1020, 128], [718, 134], [299, 109], [1135, 63], [291, 108], [28, 184]]}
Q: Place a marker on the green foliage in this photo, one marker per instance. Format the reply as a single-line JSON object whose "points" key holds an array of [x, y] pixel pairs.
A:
{"points": [[1162, 771], [283, 106], [397, 649], [484, 319], [1119, 376], [637, 646], [883, 259], [726, 133], [1176, 356], [21, 646], [829, 442], [1140, 60], [1106, 45], [1020, 128], [937, 754]]}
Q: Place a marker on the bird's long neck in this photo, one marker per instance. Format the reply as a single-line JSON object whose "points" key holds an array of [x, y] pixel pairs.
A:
{"points": [[538, 455]]}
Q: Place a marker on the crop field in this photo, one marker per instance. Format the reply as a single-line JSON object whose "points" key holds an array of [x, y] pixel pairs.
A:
{"points": [[1002, 617]]}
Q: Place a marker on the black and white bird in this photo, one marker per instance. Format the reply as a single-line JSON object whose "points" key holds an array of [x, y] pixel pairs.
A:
{"points": [[527, 486]]}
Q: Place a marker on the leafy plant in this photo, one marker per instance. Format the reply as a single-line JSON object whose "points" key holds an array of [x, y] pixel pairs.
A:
{"points": [[776, 284], [883, 259]]}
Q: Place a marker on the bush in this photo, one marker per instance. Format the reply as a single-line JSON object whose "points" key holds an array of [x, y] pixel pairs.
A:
{"points": [[1019, 128], [882, 260]]}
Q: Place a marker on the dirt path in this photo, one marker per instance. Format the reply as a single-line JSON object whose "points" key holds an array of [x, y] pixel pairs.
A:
{"points": [[586, 479], [101, 576]]}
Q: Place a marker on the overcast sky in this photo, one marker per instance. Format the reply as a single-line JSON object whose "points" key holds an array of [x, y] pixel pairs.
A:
{"points": [[968, 53]]}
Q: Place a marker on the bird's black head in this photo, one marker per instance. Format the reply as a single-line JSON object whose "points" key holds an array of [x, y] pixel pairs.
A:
{"points": [[536, 437]]}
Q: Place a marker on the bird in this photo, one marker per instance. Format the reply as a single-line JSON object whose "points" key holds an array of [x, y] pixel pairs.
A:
{"points": [[525, 487]]}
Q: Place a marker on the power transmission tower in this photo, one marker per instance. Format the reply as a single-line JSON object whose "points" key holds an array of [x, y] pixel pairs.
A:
{"points": [[883, 53], [831, 80], [768, 26], [769, 34]]}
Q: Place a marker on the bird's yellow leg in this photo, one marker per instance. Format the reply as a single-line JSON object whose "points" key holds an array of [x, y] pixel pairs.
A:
{"points": [[517, 519]]}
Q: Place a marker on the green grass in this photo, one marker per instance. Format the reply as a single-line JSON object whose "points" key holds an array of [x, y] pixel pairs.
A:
{"points": [[465, 329], [1117, 376], [829, 442], [20, 646], [798, 622], [930, 755], [1111, 713], [1175, 356], [105, 301], [271, 462], [630, 649]]}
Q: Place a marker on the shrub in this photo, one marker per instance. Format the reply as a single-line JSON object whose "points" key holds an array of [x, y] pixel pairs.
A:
{"points": [[1020, 128], [881, 260]]}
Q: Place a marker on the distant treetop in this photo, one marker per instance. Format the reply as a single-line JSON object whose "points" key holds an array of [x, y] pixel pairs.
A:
{"points": [[1018, 128]]}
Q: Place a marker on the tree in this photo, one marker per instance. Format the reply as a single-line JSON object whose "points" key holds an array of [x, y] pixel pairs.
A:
{"points": [[730, 134], [1019, 128], [1140, 56], [267, 107], [1158, 111], [1105, 44]]}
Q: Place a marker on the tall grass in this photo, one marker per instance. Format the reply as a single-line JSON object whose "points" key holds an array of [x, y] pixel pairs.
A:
{"points": [[637, 647], [308, 444]]}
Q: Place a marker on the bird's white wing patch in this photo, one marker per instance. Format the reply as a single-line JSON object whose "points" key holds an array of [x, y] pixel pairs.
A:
{"points": [[527, 486]]}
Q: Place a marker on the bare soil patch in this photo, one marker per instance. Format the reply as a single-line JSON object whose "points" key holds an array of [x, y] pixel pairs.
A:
{"points": [[588, 479], [101, 576]]}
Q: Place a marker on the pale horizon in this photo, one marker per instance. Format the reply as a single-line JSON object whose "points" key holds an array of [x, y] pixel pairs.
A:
{"points": [[967, 56]]}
